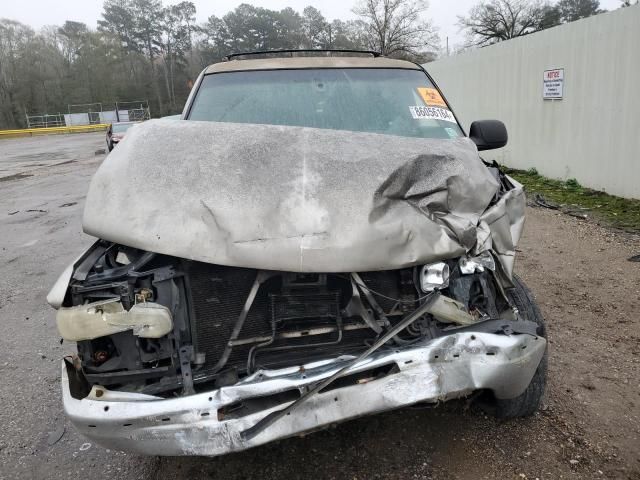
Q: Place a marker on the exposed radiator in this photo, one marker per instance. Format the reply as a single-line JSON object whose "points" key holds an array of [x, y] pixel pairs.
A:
{"points": [[218, 294]]}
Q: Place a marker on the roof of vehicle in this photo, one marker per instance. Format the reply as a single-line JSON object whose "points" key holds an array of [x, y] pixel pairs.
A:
{"points": [[282, 63]]}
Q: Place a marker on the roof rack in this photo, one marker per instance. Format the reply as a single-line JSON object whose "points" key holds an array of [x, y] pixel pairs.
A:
{"points": [[298, 52]]}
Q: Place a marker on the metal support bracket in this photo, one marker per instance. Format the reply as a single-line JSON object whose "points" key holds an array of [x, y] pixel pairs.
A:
{"points": [[185, 354]]}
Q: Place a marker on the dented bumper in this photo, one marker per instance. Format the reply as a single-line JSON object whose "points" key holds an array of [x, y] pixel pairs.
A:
{"points": [[203, 424]]}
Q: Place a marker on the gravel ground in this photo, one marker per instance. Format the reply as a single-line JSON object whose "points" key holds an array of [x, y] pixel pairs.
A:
{"points": [[589, 426]]}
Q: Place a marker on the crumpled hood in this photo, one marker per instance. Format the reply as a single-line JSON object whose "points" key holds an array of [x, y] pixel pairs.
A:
{"points": [[299, 199]]}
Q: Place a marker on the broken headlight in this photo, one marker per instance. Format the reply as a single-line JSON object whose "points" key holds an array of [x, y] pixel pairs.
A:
{"points": [[108, 317], [434, 276]]}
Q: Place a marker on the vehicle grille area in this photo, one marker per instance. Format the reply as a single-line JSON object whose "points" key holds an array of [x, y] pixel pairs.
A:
{"points": [[218, 295], [294, 318], [226, 322]]}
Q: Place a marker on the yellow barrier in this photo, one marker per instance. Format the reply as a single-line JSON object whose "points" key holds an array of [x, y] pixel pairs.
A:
{"points": [[52, 130]]}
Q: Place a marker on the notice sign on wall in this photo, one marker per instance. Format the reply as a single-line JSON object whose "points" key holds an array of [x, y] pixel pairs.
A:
{"points": [[553, 83]]}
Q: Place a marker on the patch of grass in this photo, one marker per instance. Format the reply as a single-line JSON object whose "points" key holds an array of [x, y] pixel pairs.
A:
{"points": [[572, 183], [570, 195]]}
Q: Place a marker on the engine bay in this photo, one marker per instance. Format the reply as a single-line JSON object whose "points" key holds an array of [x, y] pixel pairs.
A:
{"points": [[226, 323]]}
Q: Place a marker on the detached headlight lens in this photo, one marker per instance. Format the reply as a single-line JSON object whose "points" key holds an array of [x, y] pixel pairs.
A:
{"points": [[108, 317], [434, 277]]}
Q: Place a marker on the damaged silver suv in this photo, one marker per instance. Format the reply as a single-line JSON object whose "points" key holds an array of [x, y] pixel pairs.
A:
{"points": [[316, 239]]}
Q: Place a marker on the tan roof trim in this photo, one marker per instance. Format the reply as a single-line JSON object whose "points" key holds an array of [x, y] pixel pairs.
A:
{"points": [[309, 62]]}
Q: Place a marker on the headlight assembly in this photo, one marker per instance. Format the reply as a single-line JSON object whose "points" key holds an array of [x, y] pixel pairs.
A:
{"points": [[434, 277]]}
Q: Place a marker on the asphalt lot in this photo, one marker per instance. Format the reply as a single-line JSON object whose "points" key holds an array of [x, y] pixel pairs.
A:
{"points": [[589, 426]]}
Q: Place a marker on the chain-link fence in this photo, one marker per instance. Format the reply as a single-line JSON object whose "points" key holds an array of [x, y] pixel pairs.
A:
{"points": [[45, 121], [84, 114], [135, 111], [92, 114]]}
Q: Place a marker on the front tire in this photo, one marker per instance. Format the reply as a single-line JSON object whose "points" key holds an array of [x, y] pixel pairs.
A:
{"points": [[109, 146], [529, 402]]}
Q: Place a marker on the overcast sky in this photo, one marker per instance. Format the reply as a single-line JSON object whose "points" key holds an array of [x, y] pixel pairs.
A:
{"points": [[54, 12]]}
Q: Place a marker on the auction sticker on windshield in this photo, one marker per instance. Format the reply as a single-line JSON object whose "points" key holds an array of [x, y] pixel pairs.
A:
{"points": [[432, 113], [432, 97]]}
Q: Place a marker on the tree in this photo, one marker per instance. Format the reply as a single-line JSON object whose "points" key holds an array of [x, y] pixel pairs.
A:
{"points": [[549, 17], [177, 21], [248, 28], [251, 28], [14, 37], [72, 36], [315, 28], [289, 27], [147, 21], [118, 19], [349, 35], [499, 20], [138, 26], [215, 43], [396, 27], [572, 10]]}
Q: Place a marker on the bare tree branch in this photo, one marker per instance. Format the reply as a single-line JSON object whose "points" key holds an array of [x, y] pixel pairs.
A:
{"points": [[397, 27], [499, 20]]}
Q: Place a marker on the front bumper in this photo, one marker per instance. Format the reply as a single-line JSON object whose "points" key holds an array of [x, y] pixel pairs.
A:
{"points": [[447, 367]]}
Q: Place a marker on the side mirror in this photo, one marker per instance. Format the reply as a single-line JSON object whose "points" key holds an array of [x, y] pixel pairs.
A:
{"points": [[488, 134]]}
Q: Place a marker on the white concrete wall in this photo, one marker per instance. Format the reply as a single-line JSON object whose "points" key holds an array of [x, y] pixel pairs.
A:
{"points": [[593, 134]]}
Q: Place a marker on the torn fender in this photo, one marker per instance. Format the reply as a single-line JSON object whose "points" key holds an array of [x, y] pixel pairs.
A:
{"points": [[299, 199]]}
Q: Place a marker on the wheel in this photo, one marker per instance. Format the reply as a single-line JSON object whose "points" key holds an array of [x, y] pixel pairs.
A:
{"points": [[109, 146], [529, 402]]}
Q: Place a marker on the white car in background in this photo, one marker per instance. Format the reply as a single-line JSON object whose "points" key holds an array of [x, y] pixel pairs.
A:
{"points": [[116, 132]]}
